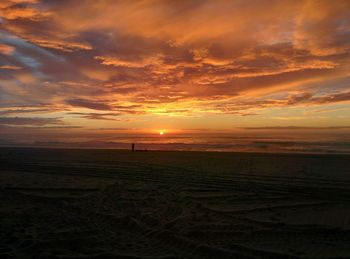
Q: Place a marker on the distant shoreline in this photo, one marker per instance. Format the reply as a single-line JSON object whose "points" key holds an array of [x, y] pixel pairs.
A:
{"points": [[178, 151]]}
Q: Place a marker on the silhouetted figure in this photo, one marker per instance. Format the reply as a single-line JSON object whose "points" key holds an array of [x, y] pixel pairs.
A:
{"points": [[132, 147]]}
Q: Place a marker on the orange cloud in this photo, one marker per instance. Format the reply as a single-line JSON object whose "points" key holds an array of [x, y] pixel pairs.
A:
{"points": [[61, 45], [6, 49], [10, 67]]}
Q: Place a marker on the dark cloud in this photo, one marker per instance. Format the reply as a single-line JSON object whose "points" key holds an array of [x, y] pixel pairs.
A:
{"points": [[98, 116], [35, 121], [332, 98], [28, 111], [88, 104]]}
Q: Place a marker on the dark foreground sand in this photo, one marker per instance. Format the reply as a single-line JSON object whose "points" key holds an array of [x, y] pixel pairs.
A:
{"points": [[119, 204]]}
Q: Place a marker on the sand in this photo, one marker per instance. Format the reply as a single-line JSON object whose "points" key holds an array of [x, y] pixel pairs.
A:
{"points": [[122, 204]]}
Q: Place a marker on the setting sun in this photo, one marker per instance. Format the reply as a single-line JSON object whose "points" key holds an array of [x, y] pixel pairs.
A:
{"points": [[175, 129]]}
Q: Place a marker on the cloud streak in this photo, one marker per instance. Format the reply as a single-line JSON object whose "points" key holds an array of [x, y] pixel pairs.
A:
{"points": [[88, 104], [31, 121]]}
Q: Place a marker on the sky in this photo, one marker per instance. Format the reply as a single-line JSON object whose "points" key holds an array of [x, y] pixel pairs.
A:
{"points": [[79, 69]]}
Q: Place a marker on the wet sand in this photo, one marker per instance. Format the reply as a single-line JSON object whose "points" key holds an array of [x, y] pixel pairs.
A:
{"points": [[122, 204]]}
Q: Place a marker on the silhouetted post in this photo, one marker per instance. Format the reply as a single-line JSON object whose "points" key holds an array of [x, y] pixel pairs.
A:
{"points": [[132, 147]]}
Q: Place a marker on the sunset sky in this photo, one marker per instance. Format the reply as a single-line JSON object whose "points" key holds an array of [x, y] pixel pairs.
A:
{"points": [[181, 66]]}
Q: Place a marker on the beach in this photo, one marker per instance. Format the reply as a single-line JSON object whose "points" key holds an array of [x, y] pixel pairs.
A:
{"points": [[79, 203]]}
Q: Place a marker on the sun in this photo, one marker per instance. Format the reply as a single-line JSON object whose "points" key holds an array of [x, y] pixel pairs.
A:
{"points": [[161, 132]]}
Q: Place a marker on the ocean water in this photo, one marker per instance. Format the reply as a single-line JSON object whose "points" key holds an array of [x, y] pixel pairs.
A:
{"points": [[309, 142]]}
